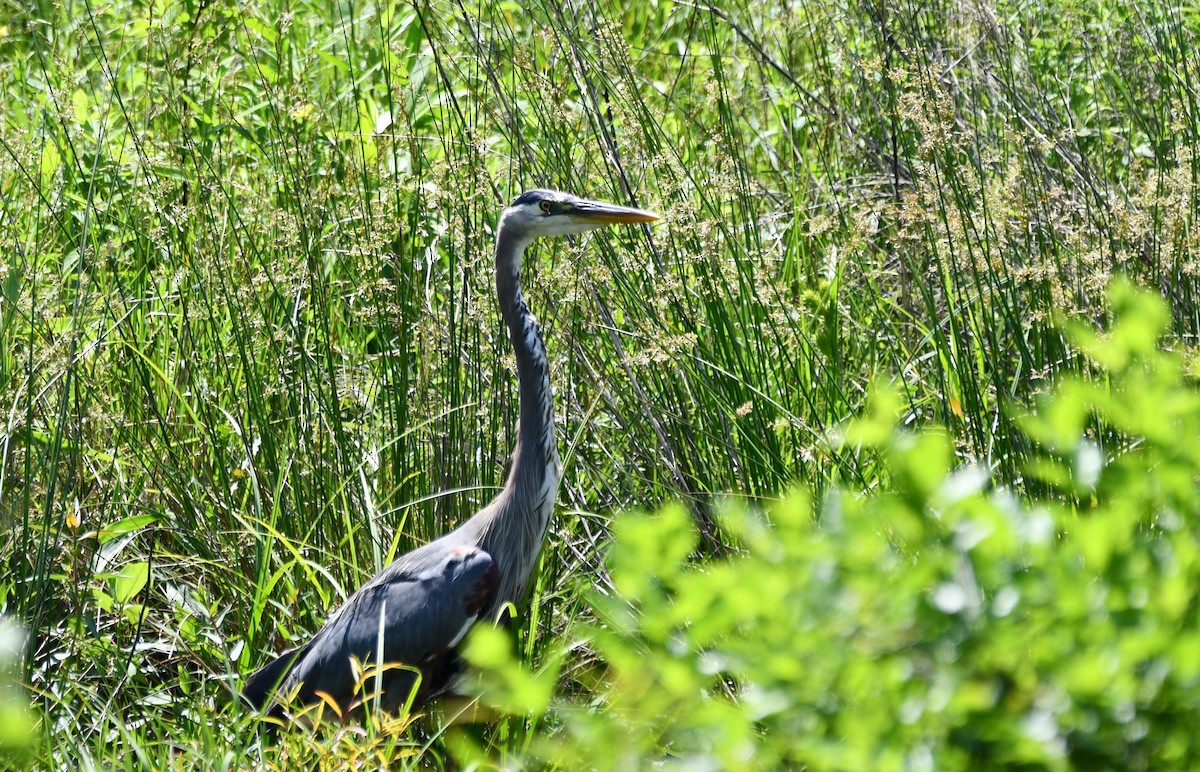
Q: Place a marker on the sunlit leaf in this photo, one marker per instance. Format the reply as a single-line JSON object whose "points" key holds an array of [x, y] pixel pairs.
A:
{"points": [[130, 580], [125, 526]]}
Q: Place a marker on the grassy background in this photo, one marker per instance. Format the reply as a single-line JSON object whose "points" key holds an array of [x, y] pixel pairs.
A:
{"points": [[248, 350]]}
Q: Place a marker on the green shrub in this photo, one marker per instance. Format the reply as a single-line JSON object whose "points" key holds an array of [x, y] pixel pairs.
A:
{"points": [[16, 720], [935, 622]]}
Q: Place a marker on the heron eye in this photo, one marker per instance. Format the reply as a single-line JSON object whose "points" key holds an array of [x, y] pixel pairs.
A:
{"points": [[545, 205]]}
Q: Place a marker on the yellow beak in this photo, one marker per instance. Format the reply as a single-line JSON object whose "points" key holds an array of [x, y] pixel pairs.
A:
{"points": [[600, 212]]}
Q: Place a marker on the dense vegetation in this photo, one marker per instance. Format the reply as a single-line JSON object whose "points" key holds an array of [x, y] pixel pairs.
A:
{"points": [[248, 353]]}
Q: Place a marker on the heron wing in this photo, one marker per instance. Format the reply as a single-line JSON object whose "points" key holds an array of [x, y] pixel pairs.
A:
{"points": [[421, 608], [260, 685]]}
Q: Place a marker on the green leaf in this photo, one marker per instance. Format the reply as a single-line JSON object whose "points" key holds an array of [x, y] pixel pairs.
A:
{"points": [[103, 600], [488, 647], [367, 121], [51, 161], [130, 580], [127, 525], [266, 31]]}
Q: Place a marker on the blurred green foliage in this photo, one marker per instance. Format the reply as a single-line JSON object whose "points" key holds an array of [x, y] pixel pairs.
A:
{"points": [[16, 719], [934, 622]]}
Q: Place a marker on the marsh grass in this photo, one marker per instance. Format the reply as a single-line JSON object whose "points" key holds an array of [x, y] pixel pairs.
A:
{"points": [[248, 351]]}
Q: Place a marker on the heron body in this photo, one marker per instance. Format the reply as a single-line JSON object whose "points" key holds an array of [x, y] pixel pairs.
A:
{"points": [[416, 611]]}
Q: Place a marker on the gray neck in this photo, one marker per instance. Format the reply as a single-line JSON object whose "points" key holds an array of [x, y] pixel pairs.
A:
{"points": [[536, 440], [513, 526]]}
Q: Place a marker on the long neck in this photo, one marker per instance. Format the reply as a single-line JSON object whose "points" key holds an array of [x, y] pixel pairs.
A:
{"points": [[537, 444], [513, 526]]}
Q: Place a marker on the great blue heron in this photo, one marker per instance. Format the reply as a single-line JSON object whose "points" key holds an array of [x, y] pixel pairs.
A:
{"points": [[423, 603]]}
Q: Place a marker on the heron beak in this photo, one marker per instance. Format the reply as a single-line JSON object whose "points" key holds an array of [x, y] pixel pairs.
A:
{"points": [[601, 213]]}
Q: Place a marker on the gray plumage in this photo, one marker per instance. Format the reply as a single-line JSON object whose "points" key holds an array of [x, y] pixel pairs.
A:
{"points": [[425, 601]]}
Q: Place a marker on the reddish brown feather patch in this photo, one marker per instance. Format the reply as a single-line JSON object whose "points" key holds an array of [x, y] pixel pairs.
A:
{"points": [[482, 592]]}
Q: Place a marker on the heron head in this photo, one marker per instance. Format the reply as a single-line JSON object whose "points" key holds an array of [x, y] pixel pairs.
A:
{"points": [[541, 212]]}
